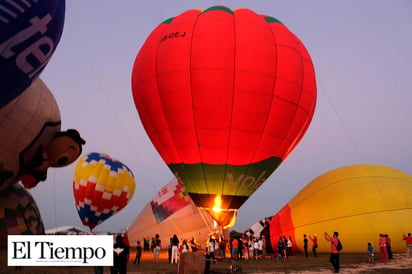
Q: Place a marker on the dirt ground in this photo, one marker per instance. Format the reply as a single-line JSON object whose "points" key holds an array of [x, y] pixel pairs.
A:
{"points": [[350, 263]]}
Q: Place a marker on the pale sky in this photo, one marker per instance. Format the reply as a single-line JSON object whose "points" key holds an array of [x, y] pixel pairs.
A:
{"points": [[361, 51]]}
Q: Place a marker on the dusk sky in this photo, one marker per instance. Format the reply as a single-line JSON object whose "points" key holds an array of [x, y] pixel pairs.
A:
{"points": [[362, 55]]}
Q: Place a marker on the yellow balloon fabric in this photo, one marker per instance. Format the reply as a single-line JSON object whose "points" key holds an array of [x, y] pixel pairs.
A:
{"points": [[359, 201]]}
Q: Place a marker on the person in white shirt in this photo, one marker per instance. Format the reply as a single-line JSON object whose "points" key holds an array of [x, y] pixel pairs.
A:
{"points": [[255, 248], [260, 247], [250, 244], [289, 243]]}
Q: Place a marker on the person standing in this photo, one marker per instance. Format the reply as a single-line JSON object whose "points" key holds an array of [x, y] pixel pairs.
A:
{"points": [[169, 249], [245, 248], [239, 249], [251, 250], [314, 240], [235, 246], [222, 246], [193, 244], [285, 246], [152, 244], [138, 253], [264, 247], [216, 248], [289, 245], [146, 243], [371, 254], [408, 240], [156, 249], [255, 248], [120, 256], [389, 246], [175, 249], [281, 247], [382, 247], [211, 249], [260, 248], [334, 253], [305, 245]]}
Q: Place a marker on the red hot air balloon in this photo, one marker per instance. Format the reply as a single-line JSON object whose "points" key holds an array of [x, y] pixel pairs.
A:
{"points": [[224, 96]]}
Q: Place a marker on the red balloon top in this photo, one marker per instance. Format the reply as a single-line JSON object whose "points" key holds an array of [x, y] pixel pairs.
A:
{"points": [[223, 87]]}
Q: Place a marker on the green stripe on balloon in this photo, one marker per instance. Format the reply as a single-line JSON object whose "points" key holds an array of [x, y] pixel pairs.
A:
{"points": [[167, 21], [272, 20], [237, 180], [221, 8]]}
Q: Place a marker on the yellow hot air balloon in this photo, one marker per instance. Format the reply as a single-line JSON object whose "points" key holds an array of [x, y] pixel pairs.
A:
{"points": [[359, 201]]}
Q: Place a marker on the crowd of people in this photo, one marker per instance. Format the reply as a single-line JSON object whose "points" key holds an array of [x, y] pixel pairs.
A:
{"points": [[284, 248], [243, 248], [247, 248], [175, 248]]}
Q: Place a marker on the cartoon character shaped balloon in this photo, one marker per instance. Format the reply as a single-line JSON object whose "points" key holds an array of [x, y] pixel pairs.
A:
{"points": [[29, 34], [31, 140], [19, 214], [102, 186], [224, 96]]}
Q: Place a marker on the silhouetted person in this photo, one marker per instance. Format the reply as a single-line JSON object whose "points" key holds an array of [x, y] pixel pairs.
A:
{"points": [[120, 256], [138, 253], [305, 245]]}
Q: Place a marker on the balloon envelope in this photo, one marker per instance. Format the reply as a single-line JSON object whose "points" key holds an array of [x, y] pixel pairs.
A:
{"points": [[19, 214], [171, 211], [29, 34], [359, 201], [224, 96], [27, 125], [102, 186]]}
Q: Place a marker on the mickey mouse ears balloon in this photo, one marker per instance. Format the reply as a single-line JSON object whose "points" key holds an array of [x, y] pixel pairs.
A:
{"points": [[102, 186], [29, 34], [225, 96]]}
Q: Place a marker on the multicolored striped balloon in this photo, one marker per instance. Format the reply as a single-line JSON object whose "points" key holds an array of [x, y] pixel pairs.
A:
{"points": [[102, 186]]}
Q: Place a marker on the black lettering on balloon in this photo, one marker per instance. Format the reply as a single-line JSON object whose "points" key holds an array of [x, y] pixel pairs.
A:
{"points": [[172, 35]]}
